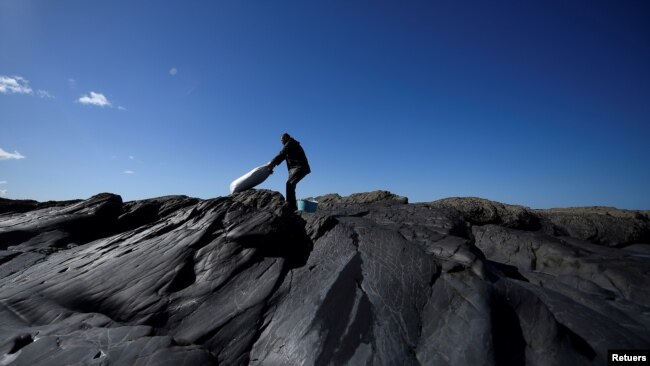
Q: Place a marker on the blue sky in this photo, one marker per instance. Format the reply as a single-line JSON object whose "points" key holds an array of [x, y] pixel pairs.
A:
{"points": [[540, 103]]}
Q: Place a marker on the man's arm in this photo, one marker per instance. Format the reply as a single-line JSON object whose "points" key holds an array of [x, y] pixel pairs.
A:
{"points": [[278, 159]]}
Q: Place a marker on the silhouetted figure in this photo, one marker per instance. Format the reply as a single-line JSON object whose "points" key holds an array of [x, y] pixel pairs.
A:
{"points": [[297, 165]]}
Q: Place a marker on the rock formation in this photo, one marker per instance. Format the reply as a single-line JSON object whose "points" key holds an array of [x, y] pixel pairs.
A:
{"points": [[367, 280]]}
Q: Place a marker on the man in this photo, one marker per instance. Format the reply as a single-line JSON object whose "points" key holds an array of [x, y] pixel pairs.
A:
{"points": [[297, 165]]}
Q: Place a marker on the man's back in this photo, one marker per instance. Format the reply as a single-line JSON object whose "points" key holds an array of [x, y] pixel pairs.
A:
{"points": [[294, 154]]}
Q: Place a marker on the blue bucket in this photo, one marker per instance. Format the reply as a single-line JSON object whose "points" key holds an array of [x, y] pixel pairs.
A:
{"points": [[307, 206]]}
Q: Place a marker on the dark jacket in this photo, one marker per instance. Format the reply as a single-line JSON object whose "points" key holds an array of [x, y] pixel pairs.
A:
{"points": [[293, 153]]}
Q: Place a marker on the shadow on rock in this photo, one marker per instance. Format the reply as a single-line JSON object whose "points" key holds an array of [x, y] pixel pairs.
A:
{"points": [[290, 242]]}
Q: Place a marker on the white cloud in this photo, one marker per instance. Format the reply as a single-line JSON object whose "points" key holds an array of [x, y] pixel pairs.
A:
{"points": [[44, 94], [121, 108], [97, 99], [3, 192], [129, 172], [4, 155], [173, 71], [20, 85], [131, 157], [14, 85], [72, 83]]}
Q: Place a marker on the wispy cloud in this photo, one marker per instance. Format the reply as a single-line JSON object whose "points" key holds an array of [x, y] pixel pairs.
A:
{"points": [[131, 157], [3, 192], [3, 182], [14, 85], [173, 71], [121, 108], [44, 94], [129, 172], [72, 83], [97, 99], [4, 155], [20, 85]]}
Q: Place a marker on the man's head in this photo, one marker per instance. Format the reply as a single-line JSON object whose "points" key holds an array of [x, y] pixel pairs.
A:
{"points": [[284, 138]]}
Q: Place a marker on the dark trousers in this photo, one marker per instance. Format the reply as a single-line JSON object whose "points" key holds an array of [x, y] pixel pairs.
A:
{"points": [[295, 176]]}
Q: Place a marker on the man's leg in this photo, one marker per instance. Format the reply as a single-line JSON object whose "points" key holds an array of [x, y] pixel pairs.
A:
{"points": [[295, 176]]}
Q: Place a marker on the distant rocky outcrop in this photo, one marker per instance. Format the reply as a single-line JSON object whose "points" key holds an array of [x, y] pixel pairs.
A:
{"points": [[600, 225], [15, 206], [367, 280], [479, 211], [335, 200]]}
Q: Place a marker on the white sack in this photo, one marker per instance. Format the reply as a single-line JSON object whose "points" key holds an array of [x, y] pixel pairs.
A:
{"points": [[250, 179]]}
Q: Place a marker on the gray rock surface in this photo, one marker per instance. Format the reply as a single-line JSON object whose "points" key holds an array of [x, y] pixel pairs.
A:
{"points": [[602, 225], [367, 280], [335, 200], [479, 211]]}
